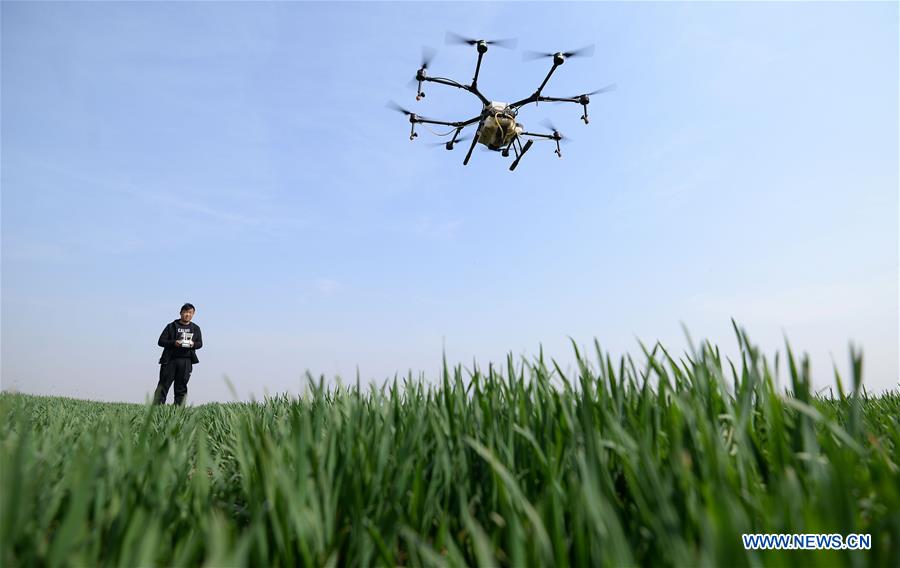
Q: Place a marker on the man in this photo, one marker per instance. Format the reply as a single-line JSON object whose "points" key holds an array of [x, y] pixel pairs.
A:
{"points": [[180, 341]]}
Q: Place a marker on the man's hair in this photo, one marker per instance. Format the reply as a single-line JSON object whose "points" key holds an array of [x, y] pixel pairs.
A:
{"points": [[186, 307]]}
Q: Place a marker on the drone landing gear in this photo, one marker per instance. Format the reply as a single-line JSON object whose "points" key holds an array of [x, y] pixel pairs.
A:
{"points": [[519, 156], [472, 147], [450, 144]]}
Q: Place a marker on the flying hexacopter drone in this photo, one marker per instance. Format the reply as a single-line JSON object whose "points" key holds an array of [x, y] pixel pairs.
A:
{"points": [[497, 127]]}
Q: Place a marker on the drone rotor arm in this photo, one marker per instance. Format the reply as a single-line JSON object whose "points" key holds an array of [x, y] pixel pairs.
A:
{"points": [[556, 137], [538, 135], [536, 96], [560, 100], [469, 122], [444, 81], [452, 83], [421, 120], [458, 124], [542, 99], [523, 102]]}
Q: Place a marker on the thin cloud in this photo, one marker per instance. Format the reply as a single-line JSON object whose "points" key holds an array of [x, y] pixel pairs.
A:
{"points": [[33, 251], [441, 230], [327, 286], [264, 224]]}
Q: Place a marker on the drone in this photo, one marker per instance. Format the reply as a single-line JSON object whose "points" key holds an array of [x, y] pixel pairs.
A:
{"points": [[497, 128]]}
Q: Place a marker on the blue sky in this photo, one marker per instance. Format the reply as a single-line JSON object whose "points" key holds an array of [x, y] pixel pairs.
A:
{"points": [[240, 156]]}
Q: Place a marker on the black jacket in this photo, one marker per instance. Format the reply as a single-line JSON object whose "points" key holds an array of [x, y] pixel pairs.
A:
{"points": [[170, 335]]}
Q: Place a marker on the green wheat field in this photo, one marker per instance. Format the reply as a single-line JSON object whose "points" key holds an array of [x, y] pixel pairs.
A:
{"points": [[656, 460]]}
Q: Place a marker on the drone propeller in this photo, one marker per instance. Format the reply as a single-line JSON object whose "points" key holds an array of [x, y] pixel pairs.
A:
{"points": [[394, 106], [428, 54], [454, 38], [555, 131], [606, 89], [412, 115], [586, 51], [557, 137], [585, 98], [457, 141]]}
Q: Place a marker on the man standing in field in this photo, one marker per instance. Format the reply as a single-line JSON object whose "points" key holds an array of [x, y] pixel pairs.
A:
{"points": [[180, 341]]}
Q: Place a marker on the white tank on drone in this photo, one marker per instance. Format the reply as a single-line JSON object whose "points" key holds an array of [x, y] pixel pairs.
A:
{"points": [[498, 107]]}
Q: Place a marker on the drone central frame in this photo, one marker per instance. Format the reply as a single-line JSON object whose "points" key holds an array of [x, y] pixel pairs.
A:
{"points": [[497, 126]]}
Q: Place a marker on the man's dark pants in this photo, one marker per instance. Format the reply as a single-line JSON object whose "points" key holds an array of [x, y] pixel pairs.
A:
{"points": [[177, 370]]}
